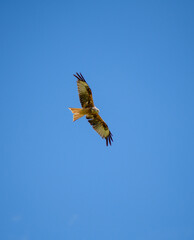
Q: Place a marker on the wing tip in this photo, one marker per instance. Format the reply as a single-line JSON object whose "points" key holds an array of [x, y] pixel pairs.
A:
{"points": [[109, 139], [79, 76]]}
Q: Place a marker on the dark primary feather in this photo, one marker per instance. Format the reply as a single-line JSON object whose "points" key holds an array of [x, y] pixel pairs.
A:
{"points": [[85, 93], [109, 139], [79, 77]]}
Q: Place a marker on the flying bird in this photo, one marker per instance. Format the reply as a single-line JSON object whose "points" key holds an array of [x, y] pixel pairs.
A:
{"points": [[89, 110]]}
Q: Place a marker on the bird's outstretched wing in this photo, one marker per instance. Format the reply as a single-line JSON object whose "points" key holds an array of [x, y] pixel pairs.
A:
{"points": [[100, 127], [85, 93]]}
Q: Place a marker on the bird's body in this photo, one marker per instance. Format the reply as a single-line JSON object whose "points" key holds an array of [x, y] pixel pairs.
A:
{"points": [[80, 112], [89, 110]]}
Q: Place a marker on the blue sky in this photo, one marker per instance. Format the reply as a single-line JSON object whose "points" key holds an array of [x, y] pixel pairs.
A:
{"points": [[58, 180]]}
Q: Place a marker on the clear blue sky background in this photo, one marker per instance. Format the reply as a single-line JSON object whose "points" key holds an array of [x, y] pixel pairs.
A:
{"points": [[58, 180]]}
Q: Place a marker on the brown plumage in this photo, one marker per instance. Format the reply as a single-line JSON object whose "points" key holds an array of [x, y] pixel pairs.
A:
{"points": [[88, 109]]}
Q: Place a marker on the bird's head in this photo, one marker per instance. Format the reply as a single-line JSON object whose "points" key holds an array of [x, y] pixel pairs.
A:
{"points": [[95, 109]]}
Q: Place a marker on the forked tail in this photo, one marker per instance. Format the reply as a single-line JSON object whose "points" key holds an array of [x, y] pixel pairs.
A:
{"points": [[77, 113]]}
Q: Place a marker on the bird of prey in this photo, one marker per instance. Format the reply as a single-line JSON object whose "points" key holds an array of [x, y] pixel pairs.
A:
{"points": [[89, 110]]}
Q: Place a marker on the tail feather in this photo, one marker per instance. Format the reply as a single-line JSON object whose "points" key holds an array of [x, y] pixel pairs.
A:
{"points": [[77, 113]]}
